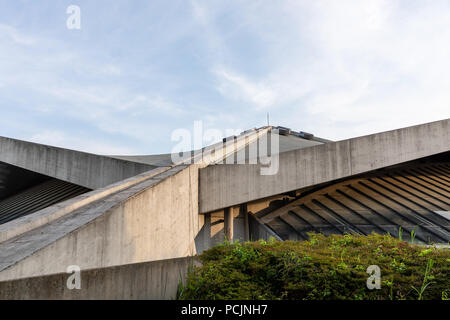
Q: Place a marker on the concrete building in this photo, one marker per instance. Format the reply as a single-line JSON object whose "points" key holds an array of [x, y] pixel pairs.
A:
{"points": [[133, 223]]}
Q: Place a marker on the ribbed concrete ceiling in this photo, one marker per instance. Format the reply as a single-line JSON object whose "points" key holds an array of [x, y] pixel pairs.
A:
{"points": [[14, 179], [23, 192], [37, 197], [413, 197]]}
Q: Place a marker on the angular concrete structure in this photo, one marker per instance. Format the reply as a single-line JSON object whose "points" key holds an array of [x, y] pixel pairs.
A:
{"points": [[119, 215], [320, 164]]}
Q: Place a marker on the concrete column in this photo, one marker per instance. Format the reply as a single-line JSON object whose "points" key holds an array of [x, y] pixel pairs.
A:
{"points": [[228, 217], [244, 212]]}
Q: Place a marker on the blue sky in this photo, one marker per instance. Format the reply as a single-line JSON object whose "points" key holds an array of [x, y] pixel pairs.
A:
{"points": [[138, 70]]}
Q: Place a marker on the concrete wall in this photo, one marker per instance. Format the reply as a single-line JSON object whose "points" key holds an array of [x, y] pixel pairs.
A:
{"points": [[150, 280], [81, 168], [30, 222], [153, 220], [224, 186]]}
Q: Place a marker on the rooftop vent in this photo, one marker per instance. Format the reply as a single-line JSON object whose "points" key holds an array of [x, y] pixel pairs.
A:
{"points": [[305, 135], [283, 131]]}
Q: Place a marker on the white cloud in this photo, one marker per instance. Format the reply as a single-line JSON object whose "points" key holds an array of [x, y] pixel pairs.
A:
{"points": [[372, 65], [238, 87], [60, 139], [112, 70], [100, 98], [17, 37]]}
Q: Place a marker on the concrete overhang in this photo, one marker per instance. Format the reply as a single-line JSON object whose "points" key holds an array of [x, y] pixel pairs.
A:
{"points": [[84, 169], [222, 185]]}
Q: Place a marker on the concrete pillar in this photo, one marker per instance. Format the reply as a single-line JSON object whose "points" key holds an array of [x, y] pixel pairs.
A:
{"points": [[244, 212], [228, 216]]}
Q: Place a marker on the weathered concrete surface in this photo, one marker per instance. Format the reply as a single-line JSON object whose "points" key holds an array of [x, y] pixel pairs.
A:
{"points": [[30, 222], [81, 168], [222, 186], [285, 143], [152, 220], [159, 160], [149, 280]]}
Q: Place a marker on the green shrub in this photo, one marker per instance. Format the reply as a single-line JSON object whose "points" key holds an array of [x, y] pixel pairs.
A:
{"points": [[331, 267]]}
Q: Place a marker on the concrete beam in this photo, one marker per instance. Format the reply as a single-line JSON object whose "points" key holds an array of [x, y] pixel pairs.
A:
{"points": [[222, 186], [149, 280], [85, 169]]}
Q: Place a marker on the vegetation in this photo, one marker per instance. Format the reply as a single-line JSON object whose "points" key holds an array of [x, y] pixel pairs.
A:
{"points": [[331, 267]]}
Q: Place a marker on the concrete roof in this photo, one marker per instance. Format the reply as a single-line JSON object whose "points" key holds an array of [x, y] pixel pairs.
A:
{"points": [[287, 143], [24, 164], [157, 160], [224, 185], [84, 169]]}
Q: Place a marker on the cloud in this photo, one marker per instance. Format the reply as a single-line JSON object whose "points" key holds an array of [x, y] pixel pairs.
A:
{"points": [[63, 140], [17, 37], [237, 87], [355, 67], [66, 85]]}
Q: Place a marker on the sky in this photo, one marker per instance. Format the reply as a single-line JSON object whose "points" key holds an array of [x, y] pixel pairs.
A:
{"points": [[138, 70]]}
